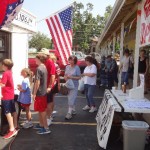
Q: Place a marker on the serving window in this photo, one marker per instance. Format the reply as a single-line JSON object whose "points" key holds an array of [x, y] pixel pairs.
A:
{"points": [[5, 46]]}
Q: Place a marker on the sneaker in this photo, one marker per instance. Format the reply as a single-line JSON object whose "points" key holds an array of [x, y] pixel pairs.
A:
{"points": [[74, 112], [49, 122], [101, 85], [52, 117], [22, 124], [10, 134], [68, 116], [93, 109], [37, 127], [86, 107], [28, 125], [54, 113], [43, 131], [22, 118]]}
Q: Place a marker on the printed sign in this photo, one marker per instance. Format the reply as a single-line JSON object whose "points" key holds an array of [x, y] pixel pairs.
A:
{"points": [[25, 20], [104, 120], [145, 23]]}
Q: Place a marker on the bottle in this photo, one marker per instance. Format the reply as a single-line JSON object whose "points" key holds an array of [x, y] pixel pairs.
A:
{"points": [[124, 87]]}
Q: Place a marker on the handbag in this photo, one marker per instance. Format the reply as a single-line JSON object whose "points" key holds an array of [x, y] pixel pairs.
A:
{"points": [[81, 85], [55, 89], [63, 90], [69, 84]]}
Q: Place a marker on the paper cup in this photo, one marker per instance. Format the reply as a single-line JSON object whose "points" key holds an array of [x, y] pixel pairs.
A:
{"points": [[113, 88]]}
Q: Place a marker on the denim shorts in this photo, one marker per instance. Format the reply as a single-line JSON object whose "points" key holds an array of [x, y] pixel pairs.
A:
{"points": [[8, 106], [124, 77]]}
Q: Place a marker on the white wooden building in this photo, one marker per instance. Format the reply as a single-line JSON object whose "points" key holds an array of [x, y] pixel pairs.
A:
{"points": [[14, 41]]}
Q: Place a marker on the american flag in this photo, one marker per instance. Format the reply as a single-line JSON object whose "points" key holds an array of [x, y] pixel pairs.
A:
{"points": [[8, 10], [60, 26]]}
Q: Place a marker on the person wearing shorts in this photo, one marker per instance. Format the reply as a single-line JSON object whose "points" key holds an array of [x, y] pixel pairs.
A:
{"points": [[51, 78], [7, 98], [25, 97], [55, 89], [124, 67], [39, 94]]}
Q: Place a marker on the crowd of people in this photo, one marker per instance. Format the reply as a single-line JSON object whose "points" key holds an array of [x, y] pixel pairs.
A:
{"points": [[109, 69], [108, 72], [46, 84]]}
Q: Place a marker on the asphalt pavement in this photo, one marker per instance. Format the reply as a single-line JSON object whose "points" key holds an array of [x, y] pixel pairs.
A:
{"points": [[77, 134]]}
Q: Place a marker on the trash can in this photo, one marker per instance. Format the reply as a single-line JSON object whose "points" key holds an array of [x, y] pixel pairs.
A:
{"points": [[134, 134]]}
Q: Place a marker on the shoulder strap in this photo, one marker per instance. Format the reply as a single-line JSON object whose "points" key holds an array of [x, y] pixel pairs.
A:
{"points": [[130, 60]]}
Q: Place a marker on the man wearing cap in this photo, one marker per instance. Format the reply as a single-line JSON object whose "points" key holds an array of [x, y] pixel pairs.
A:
{"points": [[50, 82]]}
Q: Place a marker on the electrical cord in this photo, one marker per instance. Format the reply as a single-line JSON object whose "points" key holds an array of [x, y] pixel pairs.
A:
{"points": [[10, 145]]}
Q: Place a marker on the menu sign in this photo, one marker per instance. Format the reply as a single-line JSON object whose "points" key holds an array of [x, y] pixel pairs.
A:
{"points": [[104, 120], [145, 23]]}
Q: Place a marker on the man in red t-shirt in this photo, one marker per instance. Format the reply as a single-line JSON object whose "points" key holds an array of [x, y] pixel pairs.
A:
{"points": [[51, 69], [8, 104]]}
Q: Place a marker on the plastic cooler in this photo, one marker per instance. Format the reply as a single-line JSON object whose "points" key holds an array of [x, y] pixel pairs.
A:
{"points": [[134, 134]]}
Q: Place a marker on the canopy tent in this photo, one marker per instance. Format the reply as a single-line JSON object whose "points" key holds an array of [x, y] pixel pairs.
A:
{"points": [[132, 13]]}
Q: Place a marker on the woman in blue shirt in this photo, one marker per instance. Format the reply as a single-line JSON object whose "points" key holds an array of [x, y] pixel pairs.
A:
{"points": [[72, 72]]}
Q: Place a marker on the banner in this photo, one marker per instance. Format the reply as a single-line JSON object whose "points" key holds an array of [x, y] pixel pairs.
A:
{"points": [[145, 23], [104, 120], [8, 10]]}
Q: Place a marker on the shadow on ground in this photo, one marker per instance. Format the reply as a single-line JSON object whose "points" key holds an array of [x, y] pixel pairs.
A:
{"points": [[76, 134]]}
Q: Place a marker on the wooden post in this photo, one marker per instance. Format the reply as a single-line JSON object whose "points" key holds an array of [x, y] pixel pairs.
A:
{"points": [[106, 49], [114, 43], [102, 49], [137, 43], [121, 51], [109, 48]]}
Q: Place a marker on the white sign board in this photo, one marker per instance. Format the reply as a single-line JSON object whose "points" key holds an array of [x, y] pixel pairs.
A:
{"points": [[104, 120], [145, 23], [25, 20]]}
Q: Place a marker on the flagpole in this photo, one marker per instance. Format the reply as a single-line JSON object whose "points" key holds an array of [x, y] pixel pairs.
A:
{"points": [[56, 12]]}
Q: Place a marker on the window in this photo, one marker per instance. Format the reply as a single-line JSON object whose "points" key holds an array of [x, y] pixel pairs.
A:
{"points": [[5, 44]]}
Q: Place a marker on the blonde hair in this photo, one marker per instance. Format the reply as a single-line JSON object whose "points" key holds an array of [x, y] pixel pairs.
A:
{"points": [[27, 71], [8, 63], [41, 57], [53, 57], [29, 74]]}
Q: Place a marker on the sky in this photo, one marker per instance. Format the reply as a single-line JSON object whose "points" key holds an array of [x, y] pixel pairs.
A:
{"points": [[44, 8]]}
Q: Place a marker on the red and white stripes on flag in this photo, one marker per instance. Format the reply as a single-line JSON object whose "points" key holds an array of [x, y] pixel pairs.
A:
{"points": [[60, 26]]}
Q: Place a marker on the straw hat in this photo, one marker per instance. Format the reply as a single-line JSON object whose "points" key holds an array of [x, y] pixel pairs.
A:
{"points": [[44, 51]]}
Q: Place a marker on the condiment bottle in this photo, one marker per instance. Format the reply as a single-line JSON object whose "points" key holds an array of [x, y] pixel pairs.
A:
{"points": [[124, 87]]}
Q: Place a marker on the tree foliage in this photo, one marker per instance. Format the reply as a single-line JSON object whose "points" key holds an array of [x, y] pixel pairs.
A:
{"points": [[85, 25], [39, 41]]}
